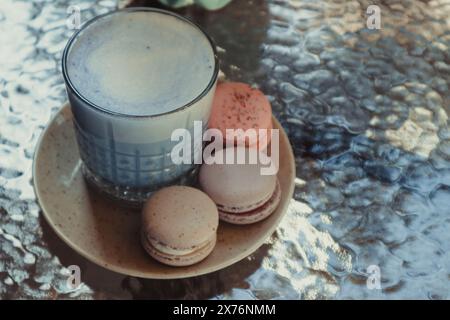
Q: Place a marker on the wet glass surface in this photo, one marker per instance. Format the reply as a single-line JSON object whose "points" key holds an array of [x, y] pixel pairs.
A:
{"points": [[367, 115]]}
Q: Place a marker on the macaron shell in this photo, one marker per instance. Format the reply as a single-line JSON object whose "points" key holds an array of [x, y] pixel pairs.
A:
{"points": [[236, 185], [182, 260], [255, 215], [179, 216], [238, 106]]}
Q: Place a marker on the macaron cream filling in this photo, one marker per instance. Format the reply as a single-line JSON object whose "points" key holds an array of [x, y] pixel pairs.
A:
{"points": [[262, 205], [169, 250], [247, 208], [255, 215]]}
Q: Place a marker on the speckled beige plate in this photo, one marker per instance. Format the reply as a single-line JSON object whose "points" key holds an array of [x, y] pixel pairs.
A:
{"points": [[107, 234]]}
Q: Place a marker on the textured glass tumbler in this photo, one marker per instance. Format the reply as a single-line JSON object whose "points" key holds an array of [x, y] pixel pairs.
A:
{"points": [[129, 156]]}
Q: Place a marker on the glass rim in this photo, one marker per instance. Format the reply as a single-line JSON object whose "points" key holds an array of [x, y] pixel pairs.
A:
{"points": [[70, 85]]}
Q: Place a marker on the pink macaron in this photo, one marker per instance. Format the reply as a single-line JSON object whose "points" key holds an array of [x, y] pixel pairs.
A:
{"points": [[242, 194], [238, 106]]}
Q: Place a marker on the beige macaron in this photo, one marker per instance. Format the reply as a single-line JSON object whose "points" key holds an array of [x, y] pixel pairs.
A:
{"points": [[242, 193], [179, 226]]}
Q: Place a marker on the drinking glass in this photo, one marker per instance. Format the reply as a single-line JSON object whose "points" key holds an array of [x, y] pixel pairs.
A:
{"points": [[129, 156]]}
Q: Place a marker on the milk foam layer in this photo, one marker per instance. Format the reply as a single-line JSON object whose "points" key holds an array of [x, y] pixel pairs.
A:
{"points": [[140, 63]]}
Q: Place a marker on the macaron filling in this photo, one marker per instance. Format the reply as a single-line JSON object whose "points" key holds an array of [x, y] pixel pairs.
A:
{"points": [[256, 214], [247, 208], [170, 250]]}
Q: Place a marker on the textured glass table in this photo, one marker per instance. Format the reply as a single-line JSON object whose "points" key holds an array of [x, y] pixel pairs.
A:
{"points": [[366, 112]]}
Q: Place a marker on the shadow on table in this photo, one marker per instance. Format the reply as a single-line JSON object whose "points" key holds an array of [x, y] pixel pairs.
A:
{"points": [[110, 285]]}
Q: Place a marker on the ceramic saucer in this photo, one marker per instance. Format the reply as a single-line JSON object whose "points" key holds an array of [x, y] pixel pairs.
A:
{"points": [[108, 234]]}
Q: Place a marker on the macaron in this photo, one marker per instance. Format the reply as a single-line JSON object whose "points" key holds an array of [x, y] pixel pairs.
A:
{"points": [[179, 226], [238, 106], [242, 194]]}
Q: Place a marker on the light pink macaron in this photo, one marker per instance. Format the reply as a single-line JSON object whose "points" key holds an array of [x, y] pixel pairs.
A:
{"points": [[242, 194]]}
